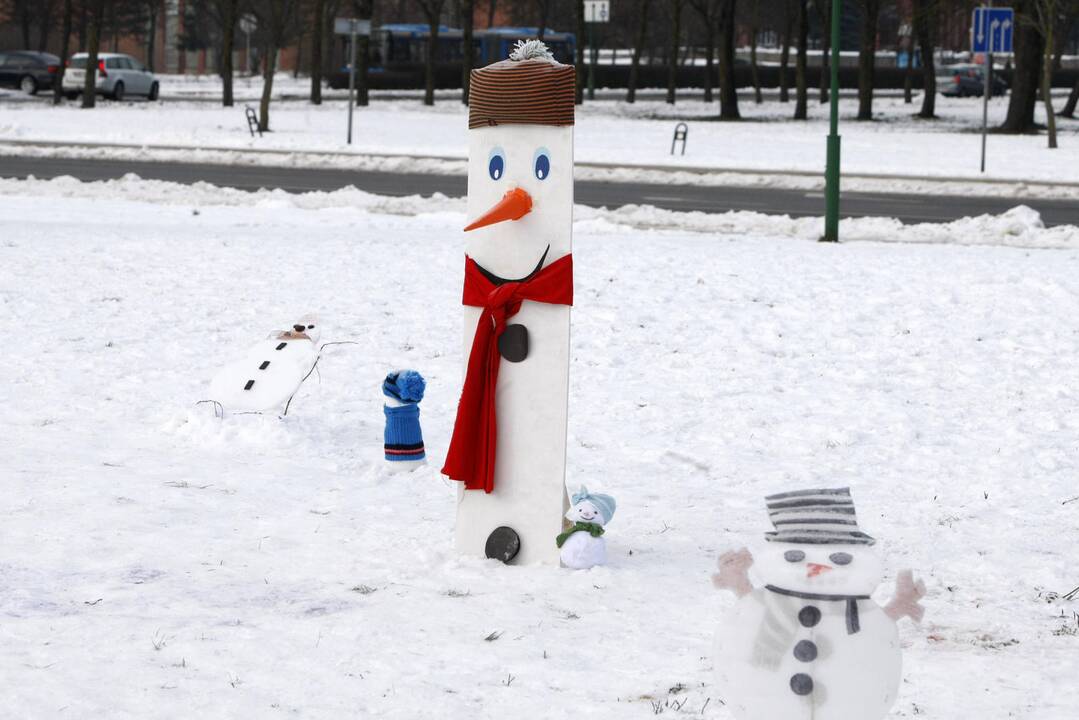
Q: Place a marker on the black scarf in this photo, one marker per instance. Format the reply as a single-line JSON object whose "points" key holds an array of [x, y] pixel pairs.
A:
{"points": [[853, 625]]}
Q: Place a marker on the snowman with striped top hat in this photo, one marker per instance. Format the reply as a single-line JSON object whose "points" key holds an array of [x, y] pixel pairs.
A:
{"points": [[508, 448], [809, 643]]}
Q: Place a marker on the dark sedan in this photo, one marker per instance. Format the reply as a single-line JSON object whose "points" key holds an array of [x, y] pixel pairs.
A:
{"points": [[29, 71], [964, 80]]}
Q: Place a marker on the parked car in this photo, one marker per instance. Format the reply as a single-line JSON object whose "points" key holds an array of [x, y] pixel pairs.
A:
{"points": [[28, 71], [966, 79], [117, 77]]}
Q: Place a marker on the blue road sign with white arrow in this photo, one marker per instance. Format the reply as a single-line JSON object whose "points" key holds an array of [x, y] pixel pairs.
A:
{"points": [[991, 30]]}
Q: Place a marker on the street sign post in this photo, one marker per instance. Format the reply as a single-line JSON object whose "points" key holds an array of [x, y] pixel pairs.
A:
{"points": [[991, 31], [595, 11], [351, 27], [248, 23]]}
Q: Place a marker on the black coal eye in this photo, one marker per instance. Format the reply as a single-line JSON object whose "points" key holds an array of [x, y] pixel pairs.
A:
{"points": [[309, 327], [841, 558], [794, 556]]}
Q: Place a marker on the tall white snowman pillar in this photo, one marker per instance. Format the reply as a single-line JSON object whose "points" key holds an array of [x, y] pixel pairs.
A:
{"points": [[508, 448], [811, 644]]}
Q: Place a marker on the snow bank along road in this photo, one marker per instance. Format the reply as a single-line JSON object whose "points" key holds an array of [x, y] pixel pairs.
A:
{"points": [[158, 562], [713, 199]]}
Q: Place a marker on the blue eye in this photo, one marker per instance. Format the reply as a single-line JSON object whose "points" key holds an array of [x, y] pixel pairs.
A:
{"points": [[496, 166], [542, 164]]}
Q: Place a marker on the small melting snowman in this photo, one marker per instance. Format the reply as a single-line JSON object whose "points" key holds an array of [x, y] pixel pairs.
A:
{"points": [[811, 644], [583, 546]]}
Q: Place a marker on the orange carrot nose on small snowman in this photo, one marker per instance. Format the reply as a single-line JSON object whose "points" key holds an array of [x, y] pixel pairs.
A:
{"points": [[514, 205]]}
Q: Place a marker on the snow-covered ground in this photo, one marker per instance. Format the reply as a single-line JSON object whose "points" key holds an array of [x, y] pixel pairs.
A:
{"points": [[607, 132], [156, 561]]}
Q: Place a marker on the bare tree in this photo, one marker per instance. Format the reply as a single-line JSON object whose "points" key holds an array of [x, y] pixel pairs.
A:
{"points": [[467, 11], [641, 36], [1026, 74], [867, 57], [709, 12], [785, 52], [924, 16], [278, 22], [579, 11], [318, 29], [1044, 18], [800, 94], [96, 18], [65, 41], [227, 14], [728, 92], [754, 33], [432, 10], [672, 59], [824, 11]]}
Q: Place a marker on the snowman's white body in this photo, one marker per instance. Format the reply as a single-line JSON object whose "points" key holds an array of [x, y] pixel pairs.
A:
{"points": [[581, 550], [532, 396], [855, 676], [270, 372]]}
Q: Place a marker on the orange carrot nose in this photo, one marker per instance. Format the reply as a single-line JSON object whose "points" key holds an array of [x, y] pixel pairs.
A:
{"points": [[815, 569], [514, 205]]}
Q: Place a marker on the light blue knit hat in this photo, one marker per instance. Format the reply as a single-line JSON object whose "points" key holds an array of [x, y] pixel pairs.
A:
{"points": [[604, 503]]}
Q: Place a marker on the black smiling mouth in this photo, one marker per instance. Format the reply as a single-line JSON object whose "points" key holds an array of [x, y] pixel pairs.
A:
{"points": [[496, 280]]}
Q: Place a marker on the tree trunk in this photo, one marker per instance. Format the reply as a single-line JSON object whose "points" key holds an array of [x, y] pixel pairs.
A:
{"points": [[924, 17], [638, 47], [824, 8], [429, 64], [785, 54], [466, 44], [228, 39], [908, 77], [1047, 75], [728, 93], [709, 61], [151, 41], [89, 88], [269, 65], [1073, 98], [365, 10], [1027, 72], [316, 50], [867, 57], [45, 23], [672, 56], [65, 41], [757, 96], [491, 14], [578, 97], [801, 100], [544, 10]]}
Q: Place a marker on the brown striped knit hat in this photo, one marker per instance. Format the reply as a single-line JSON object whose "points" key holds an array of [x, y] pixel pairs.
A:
{"points": [[530, 88]]}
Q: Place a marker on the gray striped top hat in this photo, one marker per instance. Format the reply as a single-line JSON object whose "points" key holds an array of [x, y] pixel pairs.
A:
{"points": [[815, 517]]}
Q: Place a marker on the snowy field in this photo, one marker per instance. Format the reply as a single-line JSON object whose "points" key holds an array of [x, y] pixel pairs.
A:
{"points": [[158, 562], [608, 132]]}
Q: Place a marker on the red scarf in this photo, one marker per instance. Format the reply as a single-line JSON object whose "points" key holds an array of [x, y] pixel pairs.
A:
{"points": [[471, 457]]}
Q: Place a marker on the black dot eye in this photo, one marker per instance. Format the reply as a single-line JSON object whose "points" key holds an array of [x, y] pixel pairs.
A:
{"points": [[841, 558], [310, 327], [794, 556]]}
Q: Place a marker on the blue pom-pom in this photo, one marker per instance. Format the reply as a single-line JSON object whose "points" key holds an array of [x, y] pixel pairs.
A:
{"points": [[410, 385]]}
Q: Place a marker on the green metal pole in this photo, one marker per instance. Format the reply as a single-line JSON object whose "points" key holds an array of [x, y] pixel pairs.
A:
{"points": [[591, 61], [831, 171]]}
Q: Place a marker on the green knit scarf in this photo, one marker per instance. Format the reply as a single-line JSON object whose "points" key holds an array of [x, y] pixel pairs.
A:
{"points": [[591, 528]]}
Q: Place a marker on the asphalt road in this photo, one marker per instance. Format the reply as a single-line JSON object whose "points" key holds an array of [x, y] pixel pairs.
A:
{"points": [[797, 203]]}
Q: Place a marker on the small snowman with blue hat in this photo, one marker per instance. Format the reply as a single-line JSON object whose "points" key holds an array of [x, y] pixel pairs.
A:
{"points": [[403, 390], [583, 545]]}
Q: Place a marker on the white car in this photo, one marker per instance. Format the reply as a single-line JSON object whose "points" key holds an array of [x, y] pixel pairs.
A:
{"points": [[117, 76]]}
